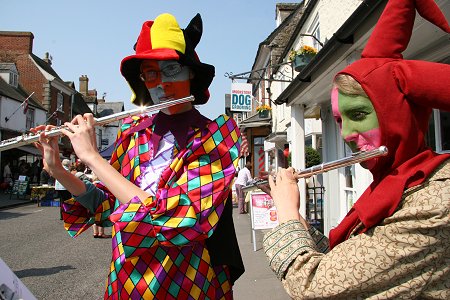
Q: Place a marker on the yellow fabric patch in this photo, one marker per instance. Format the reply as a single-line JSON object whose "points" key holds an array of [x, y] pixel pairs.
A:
{"points": [[173, 222], [213, 218], [209, 145], [195, 291], [206, 202], [167, 34], [167, 263], [129, 286], [234, 136], [205, 179], [131, 227], [191, 272]]}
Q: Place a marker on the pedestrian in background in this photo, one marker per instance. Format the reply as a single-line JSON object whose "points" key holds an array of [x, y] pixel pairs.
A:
{"points": [[7, 174], [63, 193], [243, 178]]}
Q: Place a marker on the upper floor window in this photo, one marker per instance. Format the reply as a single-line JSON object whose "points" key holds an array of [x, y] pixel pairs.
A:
{"points": [[314, 30], [14, 79], [59, 102], [29, 118]]}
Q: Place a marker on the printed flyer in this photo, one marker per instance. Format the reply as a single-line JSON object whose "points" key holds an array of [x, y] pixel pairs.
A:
{"points": [[264, 213]]}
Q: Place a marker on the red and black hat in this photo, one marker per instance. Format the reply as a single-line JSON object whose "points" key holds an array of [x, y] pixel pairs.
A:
{"points": [[163, 39]]}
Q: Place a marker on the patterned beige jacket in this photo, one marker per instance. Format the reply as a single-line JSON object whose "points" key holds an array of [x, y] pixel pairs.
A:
{"points": [[407, 256]]}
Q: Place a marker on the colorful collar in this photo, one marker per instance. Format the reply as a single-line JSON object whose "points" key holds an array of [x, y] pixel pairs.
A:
{"points": [[178, 125]]}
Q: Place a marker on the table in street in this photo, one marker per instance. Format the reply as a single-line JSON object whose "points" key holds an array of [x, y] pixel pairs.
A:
{"points": [[40, 192]]}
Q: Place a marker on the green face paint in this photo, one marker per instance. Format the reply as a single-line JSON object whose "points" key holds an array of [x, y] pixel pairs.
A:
{"points": [[358, 121]]}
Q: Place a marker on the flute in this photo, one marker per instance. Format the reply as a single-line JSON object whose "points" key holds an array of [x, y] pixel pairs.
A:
{"points": [[29, 138], [324, 167]]}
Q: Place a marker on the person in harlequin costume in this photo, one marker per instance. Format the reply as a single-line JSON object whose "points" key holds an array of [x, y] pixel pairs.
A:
{"points": [[167, 188], [393, 243]]}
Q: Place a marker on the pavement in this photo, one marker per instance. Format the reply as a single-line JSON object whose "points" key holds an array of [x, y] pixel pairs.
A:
{"points": [[258, 281], [9, 201]]}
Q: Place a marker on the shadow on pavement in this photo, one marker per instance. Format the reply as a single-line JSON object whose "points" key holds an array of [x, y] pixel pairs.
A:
{"points": [[4, 215], [42, 271]]}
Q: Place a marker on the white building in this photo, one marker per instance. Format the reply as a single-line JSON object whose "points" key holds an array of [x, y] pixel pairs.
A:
{"points": [[302, 116], [16, 118], [310, 90]]}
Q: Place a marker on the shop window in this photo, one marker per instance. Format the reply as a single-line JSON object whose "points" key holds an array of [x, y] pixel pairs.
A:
{"points": [[258, 155]]}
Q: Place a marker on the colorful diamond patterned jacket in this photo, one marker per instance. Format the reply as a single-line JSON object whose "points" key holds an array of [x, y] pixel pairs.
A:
{"points": [[160, 248]]}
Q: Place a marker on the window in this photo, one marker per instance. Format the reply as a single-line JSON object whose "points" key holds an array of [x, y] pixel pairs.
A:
{"points": [[438, 136], [314, 30], [237, 117], [59, 102], [349, 173], [14, 79], [29, 118]]}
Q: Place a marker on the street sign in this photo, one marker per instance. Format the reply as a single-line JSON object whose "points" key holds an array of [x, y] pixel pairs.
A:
{"points": [[241, 97]]}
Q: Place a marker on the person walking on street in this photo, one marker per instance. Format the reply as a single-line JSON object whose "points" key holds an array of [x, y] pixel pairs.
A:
{"points": [[167, 186], [7, 174], [63, 193], [243, 178]]}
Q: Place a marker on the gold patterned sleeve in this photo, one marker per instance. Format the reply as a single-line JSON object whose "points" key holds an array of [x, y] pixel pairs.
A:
{"points": [[319, 239], [406, 256], [285, 243]]}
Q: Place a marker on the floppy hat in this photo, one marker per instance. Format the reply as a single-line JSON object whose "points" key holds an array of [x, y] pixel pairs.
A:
{"points": [[163, 39]]}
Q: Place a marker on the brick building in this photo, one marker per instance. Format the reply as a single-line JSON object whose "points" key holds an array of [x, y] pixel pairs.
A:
{"points": [[59, 98]]}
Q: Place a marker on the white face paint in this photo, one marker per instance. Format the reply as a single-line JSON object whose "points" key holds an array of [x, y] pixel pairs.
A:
{"points": [[157, 93], [169, 80]]}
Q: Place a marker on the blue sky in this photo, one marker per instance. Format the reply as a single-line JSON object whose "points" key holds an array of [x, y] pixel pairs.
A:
{"points": [[90, 37]]}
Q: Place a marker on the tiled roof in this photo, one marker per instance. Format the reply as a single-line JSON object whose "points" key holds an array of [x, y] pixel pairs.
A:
{"points": [[45, 66], [17, 94], [109, 108]]}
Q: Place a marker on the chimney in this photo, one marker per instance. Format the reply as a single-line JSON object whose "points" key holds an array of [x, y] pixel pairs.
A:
{"points": [[16, 41], [48, 58], [84, 85]]}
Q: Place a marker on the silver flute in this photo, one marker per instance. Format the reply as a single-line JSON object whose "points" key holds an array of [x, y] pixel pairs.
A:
{"points": [[29, 138], [355, 158]]}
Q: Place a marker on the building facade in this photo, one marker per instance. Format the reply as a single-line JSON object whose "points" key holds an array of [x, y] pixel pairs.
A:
{"points": [[302, 117]]}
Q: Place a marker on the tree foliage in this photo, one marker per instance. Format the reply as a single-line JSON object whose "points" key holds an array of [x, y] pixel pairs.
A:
{"points": [[312, 157]]}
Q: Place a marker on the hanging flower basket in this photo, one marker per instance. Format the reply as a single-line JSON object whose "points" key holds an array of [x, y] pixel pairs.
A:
{"points": [[301, 60], [301, 57], [263, 110]]}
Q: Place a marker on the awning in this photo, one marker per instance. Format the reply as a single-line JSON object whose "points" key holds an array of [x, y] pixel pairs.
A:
{"points": [[274, 137], [30, 149], [107, 152], [255, 121]]}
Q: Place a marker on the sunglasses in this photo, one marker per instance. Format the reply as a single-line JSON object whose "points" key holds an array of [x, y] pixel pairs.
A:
{"points": [[168, 71]]}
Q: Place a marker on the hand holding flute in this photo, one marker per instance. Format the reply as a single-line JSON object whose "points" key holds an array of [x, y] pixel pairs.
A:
{"points": [[286, 196], [81, 133]]}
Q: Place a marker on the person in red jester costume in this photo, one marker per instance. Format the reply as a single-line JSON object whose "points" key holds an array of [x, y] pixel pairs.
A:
{"points": [[393, 243], [167, 187]]}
